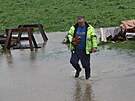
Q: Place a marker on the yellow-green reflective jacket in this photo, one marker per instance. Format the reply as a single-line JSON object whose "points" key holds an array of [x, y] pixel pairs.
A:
{"points": [[91, 40]]}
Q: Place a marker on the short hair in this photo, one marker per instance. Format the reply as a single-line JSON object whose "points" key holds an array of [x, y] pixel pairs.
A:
{"points": [[80, 17]]}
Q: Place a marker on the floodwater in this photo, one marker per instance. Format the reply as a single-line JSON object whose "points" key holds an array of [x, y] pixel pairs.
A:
{"points": [[46, 74]]}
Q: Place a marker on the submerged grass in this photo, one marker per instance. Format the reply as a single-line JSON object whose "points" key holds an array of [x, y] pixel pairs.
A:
{"points": [[59, 15], [130, 45]]}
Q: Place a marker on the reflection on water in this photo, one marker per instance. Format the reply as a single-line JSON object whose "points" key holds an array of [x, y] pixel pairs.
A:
{"points": [[83, 91], [33, 56], [9, 58]]}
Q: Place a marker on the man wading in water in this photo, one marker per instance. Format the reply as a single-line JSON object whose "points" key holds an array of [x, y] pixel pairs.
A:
{"points": [[83, 42]]}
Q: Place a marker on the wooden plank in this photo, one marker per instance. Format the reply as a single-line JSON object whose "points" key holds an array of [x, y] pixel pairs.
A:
{"points": [[34, 41], [8, 39], [26, 46], [102, 35], [42, 33], [2, 40], [19, 29], [30, 39], [40, 26]]}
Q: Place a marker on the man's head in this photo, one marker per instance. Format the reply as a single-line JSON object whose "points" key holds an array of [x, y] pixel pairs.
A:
{"points": [[81, 21]]}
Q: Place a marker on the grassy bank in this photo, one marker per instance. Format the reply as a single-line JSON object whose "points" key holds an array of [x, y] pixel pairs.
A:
{"points": [[59, 15], [130, 45]]}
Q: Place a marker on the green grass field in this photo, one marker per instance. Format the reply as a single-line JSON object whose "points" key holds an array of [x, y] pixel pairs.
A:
{"points": [[59, 15], [126, 45]]}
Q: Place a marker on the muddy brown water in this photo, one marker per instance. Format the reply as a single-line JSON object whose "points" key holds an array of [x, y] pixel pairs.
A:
{"points": [[46, 74]]}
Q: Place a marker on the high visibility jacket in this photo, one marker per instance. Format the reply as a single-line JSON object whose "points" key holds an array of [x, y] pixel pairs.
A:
{"points": [[91, 40]]}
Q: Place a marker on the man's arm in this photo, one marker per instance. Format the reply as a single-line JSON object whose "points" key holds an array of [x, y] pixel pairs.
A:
{"points": [[94, 40], [70, 34]]}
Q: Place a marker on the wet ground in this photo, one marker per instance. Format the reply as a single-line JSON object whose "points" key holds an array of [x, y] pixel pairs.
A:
{"points": [[46, 74]]}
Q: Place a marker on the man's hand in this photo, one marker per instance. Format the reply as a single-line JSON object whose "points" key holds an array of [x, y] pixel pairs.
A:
{"points": [[76, 41], [94, 50]]}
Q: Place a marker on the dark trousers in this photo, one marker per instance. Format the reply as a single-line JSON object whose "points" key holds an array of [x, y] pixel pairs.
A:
{"points": [[85, 61]]}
